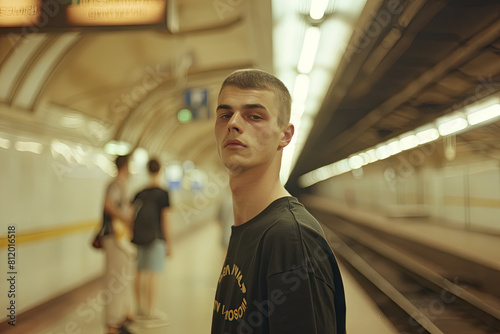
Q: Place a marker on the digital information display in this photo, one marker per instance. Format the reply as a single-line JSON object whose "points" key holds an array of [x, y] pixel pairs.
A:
{"points": [[18, 13], [74, 15], [115, 12]]}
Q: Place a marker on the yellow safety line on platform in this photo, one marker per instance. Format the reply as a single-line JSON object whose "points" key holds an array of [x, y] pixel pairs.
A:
{"points": [[473, 202], [33, 235]]}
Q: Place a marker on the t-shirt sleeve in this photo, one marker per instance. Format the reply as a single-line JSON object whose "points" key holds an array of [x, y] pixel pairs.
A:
{"points": [[136, 197], [300, 300], [164, 200]]}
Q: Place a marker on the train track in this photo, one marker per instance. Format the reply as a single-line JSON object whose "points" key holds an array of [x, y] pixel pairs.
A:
{"points": [[412, 296]]}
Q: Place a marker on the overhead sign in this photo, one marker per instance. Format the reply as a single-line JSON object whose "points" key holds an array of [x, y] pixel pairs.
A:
{"points": [[115, 12], [31, 16], [196, 100], [18, 13]]}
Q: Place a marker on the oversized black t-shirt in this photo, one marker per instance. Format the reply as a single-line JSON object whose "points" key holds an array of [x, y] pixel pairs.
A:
{"points": [[149, 204], [279, 276]]}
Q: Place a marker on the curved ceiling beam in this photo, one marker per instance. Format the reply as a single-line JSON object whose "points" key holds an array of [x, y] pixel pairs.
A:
{"points": [[42, 68], [482, 39], [19, 59], [156, 96], [209, 28], [192, 136]]}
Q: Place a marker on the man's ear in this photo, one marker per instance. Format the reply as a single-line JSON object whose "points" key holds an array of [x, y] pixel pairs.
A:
{"points": [[287, 135]]}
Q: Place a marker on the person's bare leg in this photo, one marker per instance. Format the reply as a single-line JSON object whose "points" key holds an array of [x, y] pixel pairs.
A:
{"points": [[152, 290], [138, 282]]}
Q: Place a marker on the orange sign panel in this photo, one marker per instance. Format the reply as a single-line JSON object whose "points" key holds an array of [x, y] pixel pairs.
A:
{"points": [[18, 13], [115, 12]]}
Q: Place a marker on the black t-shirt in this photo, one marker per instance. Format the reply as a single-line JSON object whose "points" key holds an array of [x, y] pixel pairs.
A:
{"points": [[279, 276], [149, 204]]}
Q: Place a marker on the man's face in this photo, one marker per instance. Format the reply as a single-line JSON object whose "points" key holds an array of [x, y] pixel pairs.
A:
{"points": [[246, 129]]}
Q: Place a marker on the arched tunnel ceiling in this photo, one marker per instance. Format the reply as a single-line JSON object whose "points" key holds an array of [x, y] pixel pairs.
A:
{"points": [[413, 63], [129, 85], [407, 63]]}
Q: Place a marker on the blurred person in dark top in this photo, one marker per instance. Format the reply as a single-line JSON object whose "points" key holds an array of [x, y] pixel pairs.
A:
{"points": [[153, 240]]}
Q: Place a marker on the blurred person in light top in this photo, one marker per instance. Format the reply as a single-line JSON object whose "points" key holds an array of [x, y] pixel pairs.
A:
{"points": [[280, 275], [120, 254]]}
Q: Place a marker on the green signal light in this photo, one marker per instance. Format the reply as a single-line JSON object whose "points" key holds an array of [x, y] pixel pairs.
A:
{"points": [[184, 116]]}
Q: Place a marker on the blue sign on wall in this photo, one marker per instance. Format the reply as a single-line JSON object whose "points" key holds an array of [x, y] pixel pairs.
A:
{"points": [[196, 99]]}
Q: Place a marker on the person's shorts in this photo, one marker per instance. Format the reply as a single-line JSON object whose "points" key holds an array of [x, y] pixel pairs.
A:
{"points": [[151, 256]]}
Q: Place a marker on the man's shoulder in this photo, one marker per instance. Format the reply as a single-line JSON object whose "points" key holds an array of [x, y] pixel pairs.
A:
{"points": [[152, 191], [292, 217], [114, 188], [157, 191], [113, 183]]}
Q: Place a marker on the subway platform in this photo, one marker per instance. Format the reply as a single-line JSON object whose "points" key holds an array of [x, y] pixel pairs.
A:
{"points": [[480, 248], [186, 294]]}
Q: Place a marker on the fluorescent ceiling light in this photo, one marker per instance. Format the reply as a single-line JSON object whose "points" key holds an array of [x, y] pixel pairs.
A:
{"points": [[365, 157], [298, 109], [382, 152], [114, 147], [60, 148], [394, 147], [101, 161], [480, 112], [72, 121], [452, 126], [323, 173], [309, 48], [484, 114], [305, 181], [428, 135], [29, 146], [355, 162], [4, 143], [300, 88], [372, 155], [318, 8], [140, 157], [408, 142], [343, 166]]}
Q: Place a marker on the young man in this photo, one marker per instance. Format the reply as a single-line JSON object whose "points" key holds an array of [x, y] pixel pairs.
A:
{"points": [[117, 217], [280, 275], [152, 237]]}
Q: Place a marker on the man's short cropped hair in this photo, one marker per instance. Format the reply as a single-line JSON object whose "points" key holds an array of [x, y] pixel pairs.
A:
{"points": [[153, 166], [258, 79], [121, 161]]}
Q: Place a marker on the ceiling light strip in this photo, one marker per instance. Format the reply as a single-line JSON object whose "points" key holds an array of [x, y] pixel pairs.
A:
{"points": [[453, 123]]}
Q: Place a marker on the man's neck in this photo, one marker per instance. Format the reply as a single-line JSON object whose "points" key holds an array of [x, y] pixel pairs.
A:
{"points": [[154, 182], [252, 192]]}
